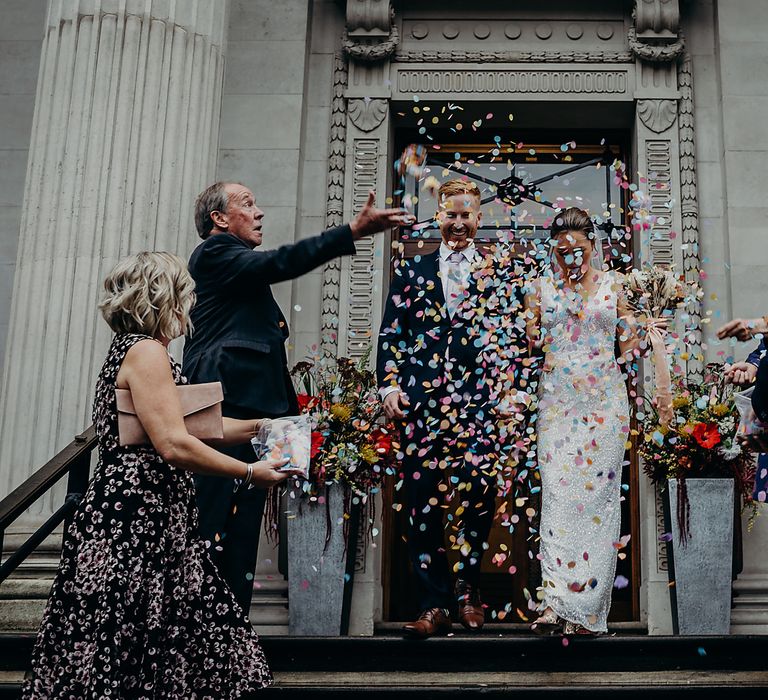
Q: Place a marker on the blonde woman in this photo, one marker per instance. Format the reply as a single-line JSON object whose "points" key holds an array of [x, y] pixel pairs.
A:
{"points": [[137, 608], [576, 316]]}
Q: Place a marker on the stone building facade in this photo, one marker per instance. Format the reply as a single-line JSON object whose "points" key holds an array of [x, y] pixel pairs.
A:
{"points": [[115, 113]]}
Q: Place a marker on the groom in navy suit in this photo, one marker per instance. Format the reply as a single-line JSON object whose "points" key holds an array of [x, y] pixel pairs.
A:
{"points": [[434, 384]]}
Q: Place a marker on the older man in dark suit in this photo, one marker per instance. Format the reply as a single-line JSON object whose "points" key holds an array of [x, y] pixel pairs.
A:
{"points": [[239, 339]]}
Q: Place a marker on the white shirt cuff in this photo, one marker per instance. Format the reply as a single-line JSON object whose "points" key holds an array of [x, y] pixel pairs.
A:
{"points": [[387, 390]]}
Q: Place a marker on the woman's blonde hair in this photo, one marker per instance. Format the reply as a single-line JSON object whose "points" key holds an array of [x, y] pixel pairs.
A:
{"points": [[150, 293]]}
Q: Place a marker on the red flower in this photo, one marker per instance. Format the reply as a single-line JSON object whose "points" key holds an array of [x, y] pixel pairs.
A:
{"points": [[382, 441], [306, 402], [706, 434], [317, 443]]}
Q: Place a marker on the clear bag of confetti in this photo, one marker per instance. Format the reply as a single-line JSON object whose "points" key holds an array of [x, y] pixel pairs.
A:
{"points": [[749, 424], [286, 438]]}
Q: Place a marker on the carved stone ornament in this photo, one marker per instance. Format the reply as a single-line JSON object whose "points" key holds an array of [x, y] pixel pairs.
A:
{"points": [[657, 115], [371, 34], [654, 34], [366, 114], [368, 18], [657, 19]]}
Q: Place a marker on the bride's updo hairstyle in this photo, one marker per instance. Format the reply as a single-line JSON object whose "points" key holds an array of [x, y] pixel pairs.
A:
{"points": [[573, 219], [150, 293]]}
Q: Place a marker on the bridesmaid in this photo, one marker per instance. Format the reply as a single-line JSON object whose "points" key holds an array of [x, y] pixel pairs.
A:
{"points": [[137, 609]]}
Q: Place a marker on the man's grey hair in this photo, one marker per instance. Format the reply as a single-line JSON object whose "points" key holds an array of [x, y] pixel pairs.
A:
{"points": [[212, 198]]}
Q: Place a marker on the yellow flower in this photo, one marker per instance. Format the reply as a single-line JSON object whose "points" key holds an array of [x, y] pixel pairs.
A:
{"points": [[680, 402], [720, 410], [368, 453], [341, 412]]}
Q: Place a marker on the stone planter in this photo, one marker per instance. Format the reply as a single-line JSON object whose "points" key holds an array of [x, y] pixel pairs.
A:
{"points": [[702, 566], [319, 589]]}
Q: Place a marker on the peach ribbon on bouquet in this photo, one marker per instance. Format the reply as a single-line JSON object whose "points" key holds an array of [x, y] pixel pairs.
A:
{"points": [[656, 328]]}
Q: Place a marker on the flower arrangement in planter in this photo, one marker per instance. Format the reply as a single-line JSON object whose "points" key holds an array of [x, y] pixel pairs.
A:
{"points": [[700, 441], [352, 446]]}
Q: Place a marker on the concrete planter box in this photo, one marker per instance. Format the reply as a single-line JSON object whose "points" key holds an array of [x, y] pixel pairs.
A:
{"points": [[318, 592], [702, 567]]}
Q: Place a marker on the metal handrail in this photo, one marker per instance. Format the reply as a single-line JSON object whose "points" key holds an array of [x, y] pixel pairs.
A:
{"points": [[74, 461]]}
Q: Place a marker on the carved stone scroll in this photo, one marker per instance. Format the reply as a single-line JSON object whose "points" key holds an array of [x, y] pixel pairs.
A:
{"points": [[371, 34], [368, 18], [654, 34], [657, 19]]}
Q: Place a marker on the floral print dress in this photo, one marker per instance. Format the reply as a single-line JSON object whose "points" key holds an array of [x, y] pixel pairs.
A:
{"points": [[137, 609]]}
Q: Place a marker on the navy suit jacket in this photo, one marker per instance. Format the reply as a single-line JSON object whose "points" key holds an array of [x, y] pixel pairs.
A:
{"points": [[239, 330], [417, 336]]}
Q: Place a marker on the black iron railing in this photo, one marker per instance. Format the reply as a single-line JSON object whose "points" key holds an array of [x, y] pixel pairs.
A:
{"points": [[73, 461]]}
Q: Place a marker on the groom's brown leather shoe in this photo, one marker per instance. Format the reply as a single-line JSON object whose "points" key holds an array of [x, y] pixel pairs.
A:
{"points": [[471, 613], [434, 621]]}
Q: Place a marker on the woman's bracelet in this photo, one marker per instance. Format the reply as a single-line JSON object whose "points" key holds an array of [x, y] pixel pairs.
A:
{"points": [[248, 474]]}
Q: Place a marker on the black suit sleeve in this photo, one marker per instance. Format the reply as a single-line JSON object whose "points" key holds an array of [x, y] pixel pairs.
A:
{"points": [[394, 330], [231, 264]]}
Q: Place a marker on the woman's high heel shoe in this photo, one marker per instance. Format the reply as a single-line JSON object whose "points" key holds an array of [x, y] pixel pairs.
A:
{"points": [[573, 628], [547, 624]]}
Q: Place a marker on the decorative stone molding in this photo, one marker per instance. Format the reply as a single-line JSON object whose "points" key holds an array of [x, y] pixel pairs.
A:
{"points": [[463, 56], [371, 34], [659, 165], [360, 292], [461, 81], [662, 562], [366, 114], [689, 205], [654, 33], [334, 212], [657, 115]]}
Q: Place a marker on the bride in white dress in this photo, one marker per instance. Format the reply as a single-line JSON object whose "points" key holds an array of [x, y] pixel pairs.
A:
{"points": [[575, 316]]}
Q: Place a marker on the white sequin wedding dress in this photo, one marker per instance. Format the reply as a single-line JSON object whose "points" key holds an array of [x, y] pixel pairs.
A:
{"points": [[582, 425]]}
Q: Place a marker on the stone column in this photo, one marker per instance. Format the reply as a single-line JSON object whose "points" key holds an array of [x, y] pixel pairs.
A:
{"points": [[124, 136]]}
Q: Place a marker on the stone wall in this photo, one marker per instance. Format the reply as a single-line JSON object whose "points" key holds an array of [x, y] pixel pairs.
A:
{"points": [[21, 35]]}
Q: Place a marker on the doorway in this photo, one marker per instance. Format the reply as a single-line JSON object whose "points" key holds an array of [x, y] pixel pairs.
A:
{"points": [[529, 170]]}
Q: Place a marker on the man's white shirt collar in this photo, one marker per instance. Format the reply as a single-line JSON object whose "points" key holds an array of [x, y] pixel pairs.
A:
{"points": [[469, 252]]}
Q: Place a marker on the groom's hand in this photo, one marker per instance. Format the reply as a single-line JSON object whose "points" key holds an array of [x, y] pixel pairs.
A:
{"points": [[370, 220], [394, 404]]}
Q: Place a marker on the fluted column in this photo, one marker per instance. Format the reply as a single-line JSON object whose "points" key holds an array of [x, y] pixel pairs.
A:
{"points": [[124, 136]]}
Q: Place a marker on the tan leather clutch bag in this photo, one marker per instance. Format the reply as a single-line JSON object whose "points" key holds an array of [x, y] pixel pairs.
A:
{"points": [[200, 405]]}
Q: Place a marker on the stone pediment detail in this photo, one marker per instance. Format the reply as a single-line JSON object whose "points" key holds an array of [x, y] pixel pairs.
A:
{"points": [[506, 56], [657, 115], [366, 114]]}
